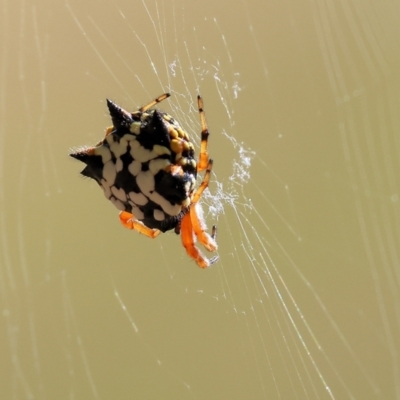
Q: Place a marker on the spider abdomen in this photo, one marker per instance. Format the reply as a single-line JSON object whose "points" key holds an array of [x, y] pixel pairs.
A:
{"points": [[145, 166]]}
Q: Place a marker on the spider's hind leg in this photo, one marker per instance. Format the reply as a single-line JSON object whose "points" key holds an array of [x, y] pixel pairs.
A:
{"points": [[188, 240], [199, 228], [193, 226]]}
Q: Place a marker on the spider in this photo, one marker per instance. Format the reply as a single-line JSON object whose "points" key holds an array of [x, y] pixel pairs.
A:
{"points": [[146, 167]]}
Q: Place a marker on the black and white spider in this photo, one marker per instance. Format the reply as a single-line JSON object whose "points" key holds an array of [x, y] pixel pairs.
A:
{"points": [[147, 168]]}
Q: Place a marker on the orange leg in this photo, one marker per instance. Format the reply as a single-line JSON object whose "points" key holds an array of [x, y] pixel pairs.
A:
{"points": [[188, 240], [203, 158], [204, 184], [154, 102], [199, 228], [128, 220]]}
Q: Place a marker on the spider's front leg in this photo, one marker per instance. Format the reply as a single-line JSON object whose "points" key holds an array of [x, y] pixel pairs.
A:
{"points": [[200, 229], [203, 157], [193, 226], [129, 221], [188, 236]]}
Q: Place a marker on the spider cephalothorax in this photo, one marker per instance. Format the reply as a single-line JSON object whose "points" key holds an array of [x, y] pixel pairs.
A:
{"points": [[146, 167]]}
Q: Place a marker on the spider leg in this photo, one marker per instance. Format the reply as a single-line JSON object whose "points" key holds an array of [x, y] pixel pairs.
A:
{"points": [[129, 221], [154, 102], [214, 232], [199, 228], [203, 158], [188, 241], [196, 214], [204, 184]]}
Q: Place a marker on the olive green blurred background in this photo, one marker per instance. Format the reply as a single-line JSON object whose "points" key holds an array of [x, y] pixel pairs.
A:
{"points": [[302, 100]]}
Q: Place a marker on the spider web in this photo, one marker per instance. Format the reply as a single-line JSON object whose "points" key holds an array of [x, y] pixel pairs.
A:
{"points": [[302, 105]]}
